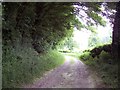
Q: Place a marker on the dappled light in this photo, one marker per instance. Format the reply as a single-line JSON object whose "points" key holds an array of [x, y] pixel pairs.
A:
{"points": [[81, 37], [60, 44], [72, 59], [87, 38], [67, 58]]}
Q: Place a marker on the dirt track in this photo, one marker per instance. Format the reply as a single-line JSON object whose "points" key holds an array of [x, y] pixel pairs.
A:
{"points": [[72, 74]]}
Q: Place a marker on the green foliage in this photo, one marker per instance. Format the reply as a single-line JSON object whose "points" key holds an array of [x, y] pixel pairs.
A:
{"points": [[45, 23], [41, 26], [98, 19], [94, 40], [104, 65], [85, 56], [24, 66], [105, 56], [94, 6], [91, 28], [68, 44]]}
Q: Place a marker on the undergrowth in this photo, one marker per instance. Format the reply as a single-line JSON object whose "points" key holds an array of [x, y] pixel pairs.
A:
{"points": [[104, 65], [22, 66]]}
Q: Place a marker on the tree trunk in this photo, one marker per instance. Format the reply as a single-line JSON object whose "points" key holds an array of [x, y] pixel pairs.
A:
{"points": [[116, 33]]}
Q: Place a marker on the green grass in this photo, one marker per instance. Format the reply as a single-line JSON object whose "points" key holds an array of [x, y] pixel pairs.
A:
{"points": [[104, 65], [72, 54], [24, 65]]}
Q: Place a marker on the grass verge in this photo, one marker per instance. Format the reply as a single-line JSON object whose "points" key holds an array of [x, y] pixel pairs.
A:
{"points": [[104, 65], [24, 65]]}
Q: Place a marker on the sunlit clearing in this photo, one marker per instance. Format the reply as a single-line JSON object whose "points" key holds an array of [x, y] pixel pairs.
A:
{"points": [[88, 35], [81, 37], [105, 33], [73, 59], [67, 58], [85, 38]]}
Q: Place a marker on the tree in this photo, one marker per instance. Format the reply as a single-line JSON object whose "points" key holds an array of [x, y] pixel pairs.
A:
{"points": [[43, 25], [116, 33]]}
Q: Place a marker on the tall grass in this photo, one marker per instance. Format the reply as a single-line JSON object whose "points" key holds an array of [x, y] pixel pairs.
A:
{"points": [[24, 65], [105, 66]]}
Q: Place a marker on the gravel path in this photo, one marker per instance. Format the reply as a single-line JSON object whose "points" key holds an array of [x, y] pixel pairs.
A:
{"points": [[72, 74]]}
